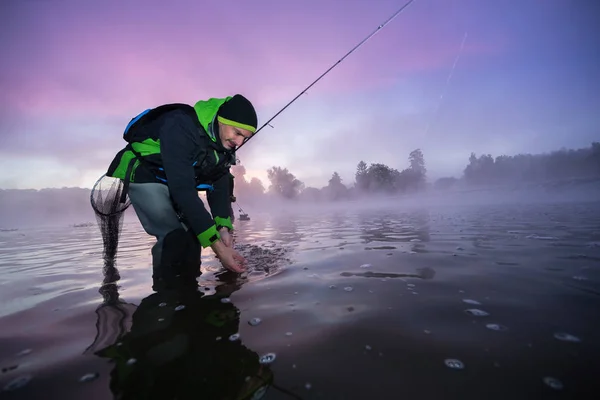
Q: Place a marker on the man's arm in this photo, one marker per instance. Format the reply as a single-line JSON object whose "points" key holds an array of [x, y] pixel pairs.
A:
{"points": [[178, 147], [219, 202]]}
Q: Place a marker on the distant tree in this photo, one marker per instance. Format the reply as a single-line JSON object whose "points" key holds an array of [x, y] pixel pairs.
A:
{"points": [[382, 178], [256, 186], [284, 183], [335, 189], [418, 172], [417, 162], [244, 189], [557, 165], [361, 177]]}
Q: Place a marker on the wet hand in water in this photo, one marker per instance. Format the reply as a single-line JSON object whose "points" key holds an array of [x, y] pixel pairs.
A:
{"points": [[230, 258]]}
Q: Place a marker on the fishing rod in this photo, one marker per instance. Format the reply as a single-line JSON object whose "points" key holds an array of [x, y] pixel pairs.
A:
{"points": [[239, 207], [330, 68]]}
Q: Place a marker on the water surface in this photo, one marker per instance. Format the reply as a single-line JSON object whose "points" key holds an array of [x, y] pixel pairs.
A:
{"points": [[486, 302]]}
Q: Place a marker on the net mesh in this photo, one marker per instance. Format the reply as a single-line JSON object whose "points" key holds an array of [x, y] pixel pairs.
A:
{"points": [[105, 199]]}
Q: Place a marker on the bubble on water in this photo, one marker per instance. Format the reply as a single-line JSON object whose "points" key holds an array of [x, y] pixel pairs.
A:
{"points": [[459, 248], [580, 278], [267, 358], [218, 338], [553, 383], [427, 331], [308, 385], [89, 377], [332, 286], [454, 363], [288, 334], [470, 301], [477, 312], [496, 327], [161, 319], [410, 285], [179, 308], [367, 347], [566, 337], [162, 304], [24, 352], [348, 288], [234, 337], [415, 240], [255, 321], [17, 383], [366, 266], [131, 361], [225, 300]]}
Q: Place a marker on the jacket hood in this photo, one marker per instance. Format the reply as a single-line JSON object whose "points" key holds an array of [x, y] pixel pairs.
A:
{"points": [[206, 111]]}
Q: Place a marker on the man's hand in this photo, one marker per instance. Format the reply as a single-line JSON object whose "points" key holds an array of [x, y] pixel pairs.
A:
{"points": [[231, 259], [232, 199], [226, 237]]}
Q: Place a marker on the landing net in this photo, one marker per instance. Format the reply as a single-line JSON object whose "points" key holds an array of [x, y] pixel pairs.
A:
{"points": [[105, 199]]}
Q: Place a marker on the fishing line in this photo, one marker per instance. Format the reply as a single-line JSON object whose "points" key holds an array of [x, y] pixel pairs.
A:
{"points": [[445, 89], [239, 208], [330, 68]]}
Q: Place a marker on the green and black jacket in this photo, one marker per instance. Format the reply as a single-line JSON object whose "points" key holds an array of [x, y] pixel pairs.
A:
{"points": [[178, 145]]}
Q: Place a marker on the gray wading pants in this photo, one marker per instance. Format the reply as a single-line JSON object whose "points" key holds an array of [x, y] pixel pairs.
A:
{"points": [[177, 250]]}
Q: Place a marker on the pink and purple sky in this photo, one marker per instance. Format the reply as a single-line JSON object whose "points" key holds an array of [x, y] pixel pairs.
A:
{"points": [[74, 73]]}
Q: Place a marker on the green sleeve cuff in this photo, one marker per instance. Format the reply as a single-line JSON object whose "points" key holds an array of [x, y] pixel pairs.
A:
{"points": [[224, 222], [209, 236]]}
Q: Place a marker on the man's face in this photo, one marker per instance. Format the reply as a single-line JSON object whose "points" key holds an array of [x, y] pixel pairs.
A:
{"points": [[232, 137]]}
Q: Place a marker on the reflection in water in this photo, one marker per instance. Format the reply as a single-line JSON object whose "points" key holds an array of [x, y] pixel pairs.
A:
{"points": [[113, 314], [422, 273], [180, 346], [392, 227]]}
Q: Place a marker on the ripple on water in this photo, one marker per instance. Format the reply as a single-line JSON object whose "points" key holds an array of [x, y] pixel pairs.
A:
{"points": [[89, 377], [17, 383], [255, 321], [553, 383], [566, 337], [477, 312], [496, 327]]}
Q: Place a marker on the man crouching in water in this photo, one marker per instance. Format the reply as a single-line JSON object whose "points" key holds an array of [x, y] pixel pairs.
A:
{"points": [[174, 151]]}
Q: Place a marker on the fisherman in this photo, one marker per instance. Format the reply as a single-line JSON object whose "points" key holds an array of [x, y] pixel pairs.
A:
{"points": [[174, 151]]}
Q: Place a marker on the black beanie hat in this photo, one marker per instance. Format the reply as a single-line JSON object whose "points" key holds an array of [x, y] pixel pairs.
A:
{"points": [[238, 111]]}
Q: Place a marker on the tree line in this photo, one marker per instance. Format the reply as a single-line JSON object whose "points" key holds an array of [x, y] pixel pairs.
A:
{"points": [[480, 171]]}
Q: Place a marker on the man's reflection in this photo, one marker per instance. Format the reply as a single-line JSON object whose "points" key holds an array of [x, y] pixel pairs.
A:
{"points": [[179, 347], [113, 314]]}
